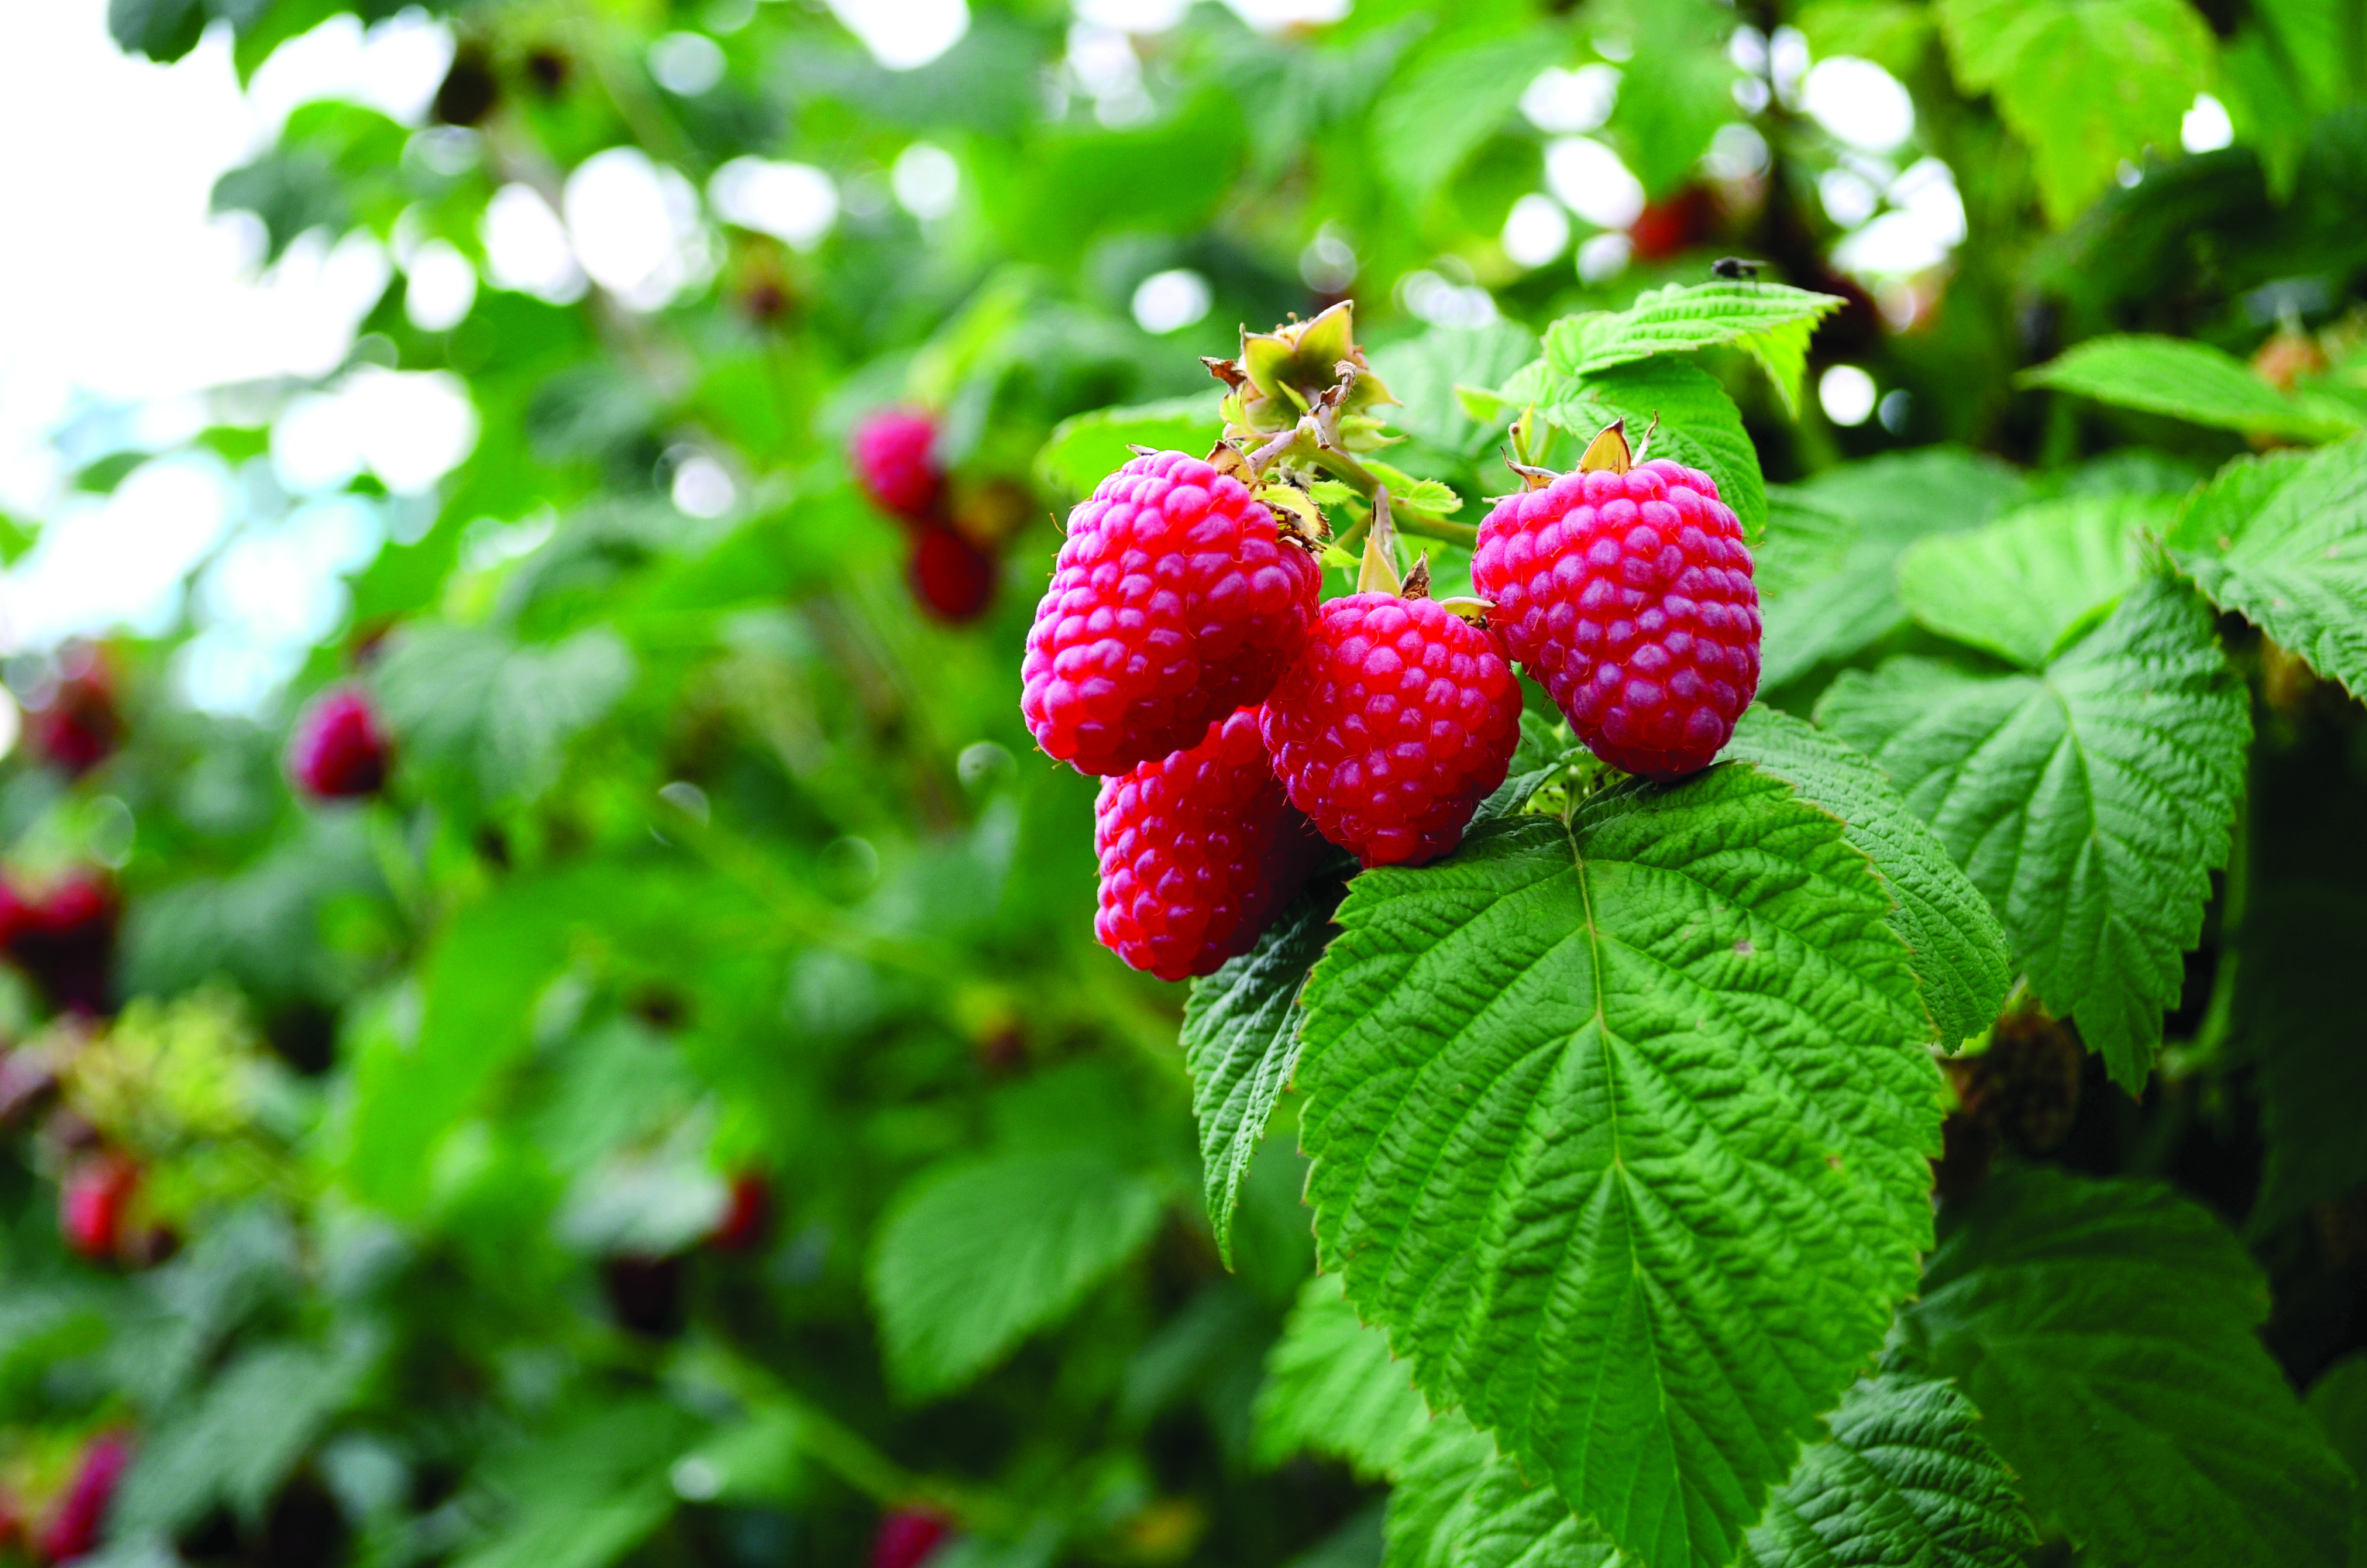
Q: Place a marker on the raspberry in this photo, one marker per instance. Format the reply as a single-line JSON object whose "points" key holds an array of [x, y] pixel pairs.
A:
{"points": [[65, 939], [91, 1202], [908, 1538], [72, 1532], [76, 726], [952, 578], [1197, 851], [1397, 721], [1629, 596], [338, 749], [1175, 602], [749, 1219], [895, 461]]}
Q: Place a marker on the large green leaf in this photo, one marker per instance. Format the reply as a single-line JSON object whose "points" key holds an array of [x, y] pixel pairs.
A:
{"points": [[2086, 85], [1807, 541], [1618, 1128], [976, 1257], [1447, 103], [1771, 321], [1331, 1387], [1891, 502], [1423, 372], [2337, 1403], [2018, 586], [2106, 1331], [2282, 541], [1240, 1040], [2089, 801], [1906, 1478], [1459, 1503], [2191, 381], [1959, 949]]}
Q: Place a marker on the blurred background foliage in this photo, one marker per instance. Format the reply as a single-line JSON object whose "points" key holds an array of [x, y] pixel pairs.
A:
{"points": [[685, 1113]]}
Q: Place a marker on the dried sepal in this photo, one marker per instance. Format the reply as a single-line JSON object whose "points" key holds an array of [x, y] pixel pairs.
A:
{"points": [[1608, 452]]}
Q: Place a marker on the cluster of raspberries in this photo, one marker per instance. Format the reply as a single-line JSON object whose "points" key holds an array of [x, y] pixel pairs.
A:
{"points": [[1182, 654], [893, 455]]}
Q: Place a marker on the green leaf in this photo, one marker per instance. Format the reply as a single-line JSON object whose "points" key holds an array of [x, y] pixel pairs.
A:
{"points": [[1699, 426], [1424, 371], [585, 1495], [1958, 946], [467, 702], [1240, 1040], [1892, 502], [1459, 1503], [164, 30], [2107, 1331], [1666, 114], [2085, 84], [974, 1257], [2191, 381], [1545, 749], [1332, 1388], [1771, 322], [1894, 34], [1905, 1478], [2018, 586], [1618, 1127], [2337, 1403], [1447, 103], [1086, 449], [2281, 541], [1807, 541], [2089, 801]]}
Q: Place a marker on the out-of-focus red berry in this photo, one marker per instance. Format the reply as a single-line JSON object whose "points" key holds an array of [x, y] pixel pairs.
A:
{"points": [[750, 1218], [895, 461], [76, 726], [64, 938], [338, 749], [74, 1529], [953, 578], [1666, 227], [91, 1204], [908, 1537]]}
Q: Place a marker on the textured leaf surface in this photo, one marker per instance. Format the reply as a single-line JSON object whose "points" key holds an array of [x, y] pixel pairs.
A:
{"points": [[1771, 322], [1905, 1479], [978, 1257], [2191, 381], [1459, 1503], [2089, 802], [2085, 84], [2017, 586], [1618, 1128], [1890, 503], [2105, 1331], [2282, 542], [1423, 373], [1958, 947], [1806, 541], [1088, 447], [1240, 1040], [1332, 1387]]}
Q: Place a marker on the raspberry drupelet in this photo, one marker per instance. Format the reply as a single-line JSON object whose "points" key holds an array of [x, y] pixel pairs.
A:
{"points": [[1629, 595], [1198, 851], [1175, 600], [1394, 725]]}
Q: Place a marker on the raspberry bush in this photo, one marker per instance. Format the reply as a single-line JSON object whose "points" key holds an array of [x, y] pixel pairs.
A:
{"points": [[1162, 795]]}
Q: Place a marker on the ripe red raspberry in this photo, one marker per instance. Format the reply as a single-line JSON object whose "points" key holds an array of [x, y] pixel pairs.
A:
{"points": [[1198, 849], [1175, 602], [895, 461], [1394, 725], [1629, 596], [91, 1203], [908, 1537], [64, 938], [76, 726], [952, 578], [73, 1531], [749, 1219], [338, 750]]}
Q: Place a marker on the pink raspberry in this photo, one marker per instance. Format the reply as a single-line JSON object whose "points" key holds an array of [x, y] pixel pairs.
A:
{"points": [[952, 578], [73, 1531], [1197, 851], [1629, 596], [895, 461], [91, 1203], [1394, 725], [908, 1537], [338, 750], [1175, 602]]}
